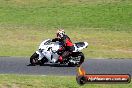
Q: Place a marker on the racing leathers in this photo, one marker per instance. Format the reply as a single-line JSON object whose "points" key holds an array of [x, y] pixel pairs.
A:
{"points": [[66, 49]]}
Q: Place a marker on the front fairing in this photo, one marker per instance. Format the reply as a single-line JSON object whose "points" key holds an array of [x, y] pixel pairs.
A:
{"points": [[49, 48], [45, 44]]}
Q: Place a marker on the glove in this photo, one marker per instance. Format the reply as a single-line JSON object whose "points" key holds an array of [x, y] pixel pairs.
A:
{"points": [[55, 39]]}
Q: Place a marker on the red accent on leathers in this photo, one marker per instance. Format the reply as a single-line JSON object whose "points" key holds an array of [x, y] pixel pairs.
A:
{"points": [[68, 42]]}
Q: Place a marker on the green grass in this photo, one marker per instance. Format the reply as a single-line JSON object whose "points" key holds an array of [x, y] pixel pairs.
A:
{"points": [[108, 44], [108, 16], [22, 81], [105, 24]]}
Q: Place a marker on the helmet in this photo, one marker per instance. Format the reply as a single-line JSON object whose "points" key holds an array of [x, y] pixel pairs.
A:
{"points": [[60, 33]]}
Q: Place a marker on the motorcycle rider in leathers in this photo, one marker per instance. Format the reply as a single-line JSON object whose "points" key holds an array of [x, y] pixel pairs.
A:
{"points": [[67, 46]]}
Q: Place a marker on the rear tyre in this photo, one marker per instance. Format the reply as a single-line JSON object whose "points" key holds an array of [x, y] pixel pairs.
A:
{"points": [[34, 59], [71, 64], [78, 55], [81, 59]]}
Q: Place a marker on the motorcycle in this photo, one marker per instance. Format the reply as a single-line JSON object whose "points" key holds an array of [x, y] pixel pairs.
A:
{"points": [[47, 52]]}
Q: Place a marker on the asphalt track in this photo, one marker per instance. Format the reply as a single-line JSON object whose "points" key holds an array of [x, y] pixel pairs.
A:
{"points": [[20, 65]]}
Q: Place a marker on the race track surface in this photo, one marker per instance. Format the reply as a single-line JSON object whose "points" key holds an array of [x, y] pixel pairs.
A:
{"points": [[20, 65]]}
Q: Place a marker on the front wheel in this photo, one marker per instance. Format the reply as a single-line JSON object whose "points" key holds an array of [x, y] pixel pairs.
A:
{"points": [[34, 59]]}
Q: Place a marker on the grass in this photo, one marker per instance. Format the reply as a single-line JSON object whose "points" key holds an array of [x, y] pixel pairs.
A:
{"points": [[108, 16], [22, 81], [107, 44], [105, 24]]}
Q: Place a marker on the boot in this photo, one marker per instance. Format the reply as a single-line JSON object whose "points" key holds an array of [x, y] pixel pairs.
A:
{"points": [[60, 59]]}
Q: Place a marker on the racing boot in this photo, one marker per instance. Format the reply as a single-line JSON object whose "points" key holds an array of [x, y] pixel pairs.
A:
{"points": [[60, 59]]}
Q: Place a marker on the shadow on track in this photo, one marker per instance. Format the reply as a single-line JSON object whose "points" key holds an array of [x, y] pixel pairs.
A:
{"points": [[52, 65]]}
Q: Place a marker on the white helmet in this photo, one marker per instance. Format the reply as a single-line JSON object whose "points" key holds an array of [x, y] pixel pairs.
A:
{"points": [[60, 33]]}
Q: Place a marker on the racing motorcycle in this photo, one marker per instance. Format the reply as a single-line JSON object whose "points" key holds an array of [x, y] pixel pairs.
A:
{"points": [[47, 52]]}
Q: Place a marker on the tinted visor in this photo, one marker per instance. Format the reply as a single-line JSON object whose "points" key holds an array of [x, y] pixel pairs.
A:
{"points": [[58, 35]]}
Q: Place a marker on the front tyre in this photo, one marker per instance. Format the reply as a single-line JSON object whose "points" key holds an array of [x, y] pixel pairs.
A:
{"points": [[34, 59]]}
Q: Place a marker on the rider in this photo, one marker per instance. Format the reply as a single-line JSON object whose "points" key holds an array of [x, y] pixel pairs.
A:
{"points": [[67, 46]]}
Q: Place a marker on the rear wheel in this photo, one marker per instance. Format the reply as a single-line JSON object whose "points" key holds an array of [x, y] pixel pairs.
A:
{"points": [[34, 59], [81, 59], [78, 59], [71, 64]]}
